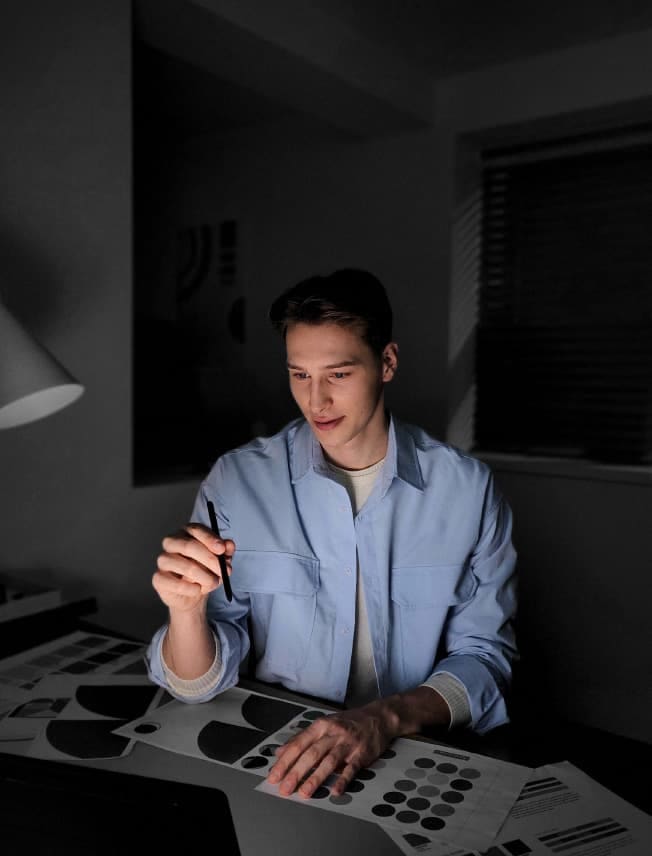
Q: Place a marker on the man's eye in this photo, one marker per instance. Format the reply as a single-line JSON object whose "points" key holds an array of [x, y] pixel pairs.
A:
{"points": [[299, 375], [340, 375]]}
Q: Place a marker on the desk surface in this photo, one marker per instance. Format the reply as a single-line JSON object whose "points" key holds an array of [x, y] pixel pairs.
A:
{"points": [[296, 830], [260, 819]]}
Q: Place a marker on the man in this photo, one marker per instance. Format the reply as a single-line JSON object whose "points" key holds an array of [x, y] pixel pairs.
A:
{"points": [[374, 562]]}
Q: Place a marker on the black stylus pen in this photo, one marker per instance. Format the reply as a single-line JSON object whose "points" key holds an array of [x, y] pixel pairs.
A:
{"points": [[226, 582]]}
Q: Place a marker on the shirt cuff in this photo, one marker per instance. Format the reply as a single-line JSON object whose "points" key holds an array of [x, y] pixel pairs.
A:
{"points": [[453, 692], [197, 686]]}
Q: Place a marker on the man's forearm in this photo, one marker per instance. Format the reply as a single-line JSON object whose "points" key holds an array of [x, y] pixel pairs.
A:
{"points": [[411, 711], [189, 644]]}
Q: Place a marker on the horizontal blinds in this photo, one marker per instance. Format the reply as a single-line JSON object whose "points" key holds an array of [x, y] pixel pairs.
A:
{"points": [[564, 343]]}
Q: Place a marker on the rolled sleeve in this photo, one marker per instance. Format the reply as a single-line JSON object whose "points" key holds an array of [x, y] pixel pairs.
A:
{"points": [[480, 641]]}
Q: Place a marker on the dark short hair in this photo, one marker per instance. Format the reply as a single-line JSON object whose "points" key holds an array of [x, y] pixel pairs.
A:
{"points": [[349, 297]]}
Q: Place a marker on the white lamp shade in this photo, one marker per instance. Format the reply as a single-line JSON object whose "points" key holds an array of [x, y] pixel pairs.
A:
{"points": [[33, 384]]}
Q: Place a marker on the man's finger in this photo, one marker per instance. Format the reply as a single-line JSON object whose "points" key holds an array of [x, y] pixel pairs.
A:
{"points": [[288, 754], [318, 775], [340, 785]]}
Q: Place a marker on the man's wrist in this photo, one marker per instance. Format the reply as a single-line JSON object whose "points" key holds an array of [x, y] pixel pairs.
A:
{"points": [[411, 711], [189, 645]]}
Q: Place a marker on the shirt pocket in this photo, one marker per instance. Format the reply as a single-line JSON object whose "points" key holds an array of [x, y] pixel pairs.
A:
{"points": [[267, 572], [428, 586], [282, 589], [422, 597]]}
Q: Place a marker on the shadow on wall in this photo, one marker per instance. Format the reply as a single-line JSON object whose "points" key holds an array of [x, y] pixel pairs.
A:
{"points": [[29, 288]]}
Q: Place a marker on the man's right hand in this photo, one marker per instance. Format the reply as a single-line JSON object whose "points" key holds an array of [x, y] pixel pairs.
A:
{"points": [[188, 568]]}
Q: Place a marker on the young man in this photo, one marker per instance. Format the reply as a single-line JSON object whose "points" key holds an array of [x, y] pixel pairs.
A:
{"points": [[375, 563]]}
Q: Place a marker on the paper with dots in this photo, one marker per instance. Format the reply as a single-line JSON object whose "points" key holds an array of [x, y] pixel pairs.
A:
{"points": [[437, 791], [428, 789]]}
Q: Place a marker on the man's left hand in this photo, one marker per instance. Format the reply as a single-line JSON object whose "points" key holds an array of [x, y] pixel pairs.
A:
{"points": [[341, 743]]}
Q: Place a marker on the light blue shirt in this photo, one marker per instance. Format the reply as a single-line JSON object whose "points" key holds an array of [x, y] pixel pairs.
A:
{"points": [[436, 556]]}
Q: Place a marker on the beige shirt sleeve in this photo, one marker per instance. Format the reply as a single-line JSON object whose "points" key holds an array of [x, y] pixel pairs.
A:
{"points": [[454, 694], [197, 686]]}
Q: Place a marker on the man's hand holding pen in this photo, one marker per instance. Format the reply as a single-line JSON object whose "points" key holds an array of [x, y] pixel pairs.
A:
{"points": [[189, 567]]}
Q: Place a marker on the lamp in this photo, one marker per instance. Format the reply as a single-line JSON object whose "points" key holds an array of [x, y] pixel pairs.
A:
{"points": [[33, 384]]}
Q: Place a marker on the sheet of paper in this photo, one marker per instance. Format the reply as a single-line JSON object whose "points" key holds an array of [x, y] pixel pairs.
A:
{"points": [[560, 810], [447, 794], [77, 653], [73, 716], [224, 730]]}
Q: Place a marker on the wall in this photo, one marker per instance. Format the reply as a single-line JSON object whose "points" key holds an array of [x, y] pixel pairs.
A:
{"points": [[68, 510], [583, 538], [310, 207]]}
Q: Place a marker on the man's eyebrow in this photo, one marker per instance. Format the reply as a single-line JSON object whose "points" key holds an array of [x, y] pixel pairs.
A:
{"points": [[339, 365]]}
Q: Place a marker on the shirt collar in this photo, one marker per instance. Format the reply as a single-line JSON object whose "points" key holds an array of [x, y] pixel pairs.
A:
{"points": [[401, 459]]}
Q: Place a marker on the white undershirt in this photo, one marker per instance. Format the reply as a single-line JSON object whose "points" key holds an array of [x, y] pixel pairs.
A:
{"points": [[363, 685]]}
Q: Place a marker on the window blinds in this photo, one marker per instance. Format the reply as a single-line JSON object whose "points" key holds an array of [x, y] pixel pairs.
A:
{"points": [[564, 339]]}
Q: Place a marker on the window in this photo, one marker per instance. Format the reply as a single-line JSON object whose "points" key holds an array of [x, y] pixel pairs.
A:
{"points": [[563, 358]]}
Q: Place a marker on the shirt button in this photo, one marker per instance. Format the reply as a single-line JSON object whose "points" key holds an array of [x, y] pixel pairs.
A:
{"points": [[347, 571], [345, 630]]}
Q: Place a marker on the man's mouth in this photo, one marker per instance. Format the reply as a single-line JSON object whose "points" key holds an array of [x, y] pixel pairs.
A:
{"points": [[327, 424]]}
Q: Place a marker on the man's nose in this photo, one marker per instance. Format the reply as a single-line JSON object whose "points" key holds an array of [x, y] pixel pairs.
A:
{"points": [[319, 397]]}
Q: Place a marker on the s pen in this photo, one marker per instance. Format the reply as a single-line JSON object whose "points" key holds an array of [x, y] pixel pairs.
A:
{"points": [[226, 582]]}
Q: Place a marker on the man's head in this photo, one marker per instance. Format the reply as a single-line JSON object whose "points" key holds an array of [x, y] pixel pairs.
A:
{"points": [[337, 331], [348, 297]]}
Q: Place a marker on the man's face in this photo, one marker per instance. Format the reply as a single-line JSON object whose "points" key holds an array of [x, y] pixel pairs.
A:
{"points": [[337, 381]]}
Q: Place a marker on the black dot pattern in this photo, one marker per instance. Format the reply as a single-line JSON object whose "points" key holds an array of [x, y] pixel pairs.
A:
{"points": [[429, 791], [415, 773], [365, 774], [342, 799], [432, 823], [407, 816], [312, 714], [320, 793], [394, 797], [418, 803], [254, 762], [452, 797], [442, 810], [418, 797], [469, 773], [382, 810]]}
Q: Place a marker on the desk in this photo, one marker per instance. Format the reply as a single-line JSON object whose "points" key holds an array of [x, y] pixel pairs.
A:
{"points": [[269, 825]]}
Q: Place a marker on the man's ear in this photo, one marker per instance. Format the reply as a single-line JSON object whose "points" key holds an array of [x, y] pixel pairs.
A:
{"points": [[390, 361]]}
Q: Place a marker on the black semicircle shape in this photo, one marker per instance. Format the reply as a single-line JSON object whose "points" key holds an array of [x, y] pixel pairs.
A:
{"points": [[120, 701], [269, 714], [87, 738], [223, 742]]}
